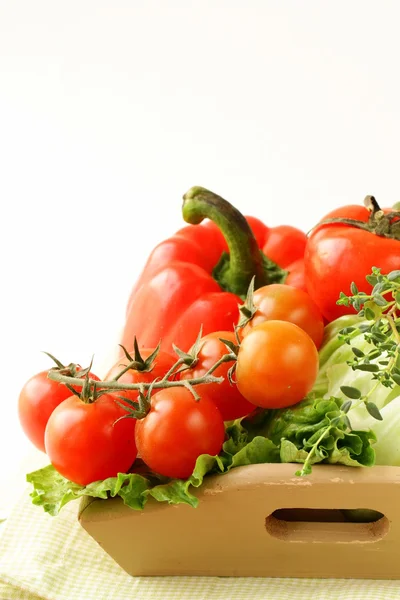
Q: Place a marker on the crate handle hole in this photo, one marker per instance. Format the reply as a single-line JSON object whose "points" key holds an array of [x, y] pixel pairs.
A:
{"points": [[327, 525]]}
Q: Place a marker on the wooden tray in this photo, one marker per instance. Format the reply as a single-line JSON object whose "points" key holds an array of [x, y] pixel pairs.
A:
{"points": [[241, 527]]}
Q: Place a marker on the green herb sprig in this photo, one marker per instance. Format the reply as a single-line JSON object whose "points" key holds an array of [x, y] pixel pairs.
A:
{"points": [[382, 332]]}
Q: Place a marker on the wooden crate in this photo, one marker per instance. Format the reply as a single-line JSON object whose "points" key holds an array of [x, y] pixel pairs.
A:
{"points": [[260, 520]]}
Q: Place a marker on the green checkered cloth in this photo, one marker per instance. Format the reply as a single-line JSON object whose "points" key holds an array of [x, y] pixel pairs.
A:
{"points": [[53, 558]]}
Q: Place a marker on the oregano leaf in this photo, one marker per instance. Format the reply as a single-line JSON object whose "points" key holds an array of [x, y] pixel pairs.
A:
{"points": [[359, 353], [367, 367], [350, 392], [373, 410], [346, 406], [353, 288], [369, 313], [396, 378], [393, 275]]}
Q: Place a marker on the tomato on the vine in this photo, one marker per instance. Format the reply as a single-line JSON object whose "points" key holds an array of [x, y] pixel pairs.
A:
{"points": [[85, 442], [277, 364], [176, 430], [37, 400], [225, 395], [286, 303], [158, 368]]}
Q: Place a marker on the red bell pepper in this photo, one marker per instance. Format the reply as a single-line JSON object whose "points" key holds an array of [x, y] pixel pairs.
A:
{"points": [[198, 277]]}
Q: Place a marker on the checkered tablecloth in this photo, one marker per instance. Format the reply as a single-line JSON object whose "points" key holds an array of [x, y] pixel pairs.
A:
{"points": [[53, 558]]}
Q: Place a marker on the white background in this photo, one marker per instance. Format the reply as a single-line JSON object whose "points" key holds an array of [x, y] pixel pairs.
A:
{"points": [[111, 110]]}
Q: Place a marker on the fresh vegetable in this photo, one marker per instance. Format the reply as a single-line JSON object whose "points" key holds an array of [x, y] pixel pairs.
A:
{"points": [[285, 244], [360, 363], [294, 430], [177, 430], [297, 276], [145, 366], [277, 364], [85, 440], [40, 396], [314, 431], [197, 277], [344, 247], [293, 403], [284, 303], [225, 395], [175, 425]]}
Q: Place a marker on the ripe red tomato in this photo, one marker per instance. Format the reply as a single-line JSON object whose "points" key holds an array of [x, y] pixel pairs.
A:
{"points": [[259, 229], [350, 211], [277, 364], [85, 444], [225, 395], [161, 365], [285, 303], [284, 244], [37, 400], [177, 430], [296, 276], [338, 254]]}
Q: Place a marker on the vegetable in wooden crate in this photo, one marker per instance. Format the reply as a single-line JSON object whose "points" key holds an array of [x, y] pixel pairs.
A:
{"points": [[336, 423], [262, 353]]}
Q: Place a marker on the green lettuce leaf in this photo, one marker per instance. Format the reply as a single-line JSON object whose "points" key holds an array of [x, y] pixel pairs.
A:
{"points": [[295, 430], [52, 491], [286, 435]]}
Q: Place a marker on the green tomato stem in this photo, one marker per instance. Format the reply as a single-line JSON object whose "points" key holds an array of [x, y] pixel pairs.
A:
{"points": [[114, 386]]}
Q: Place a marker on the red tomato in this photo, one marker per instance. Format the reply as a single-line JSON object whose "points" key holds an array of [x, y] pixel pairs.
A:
{"points": [[350, 211], [281, 302], [37, 400], [225, 395], [85, 444], [177, 430], [161, 365], [260, 231], [338, 254], [277, 364], [284, 244], [297, 277], [353, 211]]}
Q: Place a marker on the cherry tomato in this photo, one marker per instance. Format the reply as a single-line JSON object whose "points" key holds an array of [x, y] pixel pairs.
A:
{"points": [[284, 244], [161, 365], [286, 303], [85, 443], [277, 364], [37, 400], [177, 430], [259, 229], [225, 395]]}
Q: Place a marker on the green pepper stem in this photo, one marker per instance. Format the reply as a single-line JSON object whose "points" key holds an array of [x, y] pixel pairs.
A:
{"points": [[245, 258]]}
